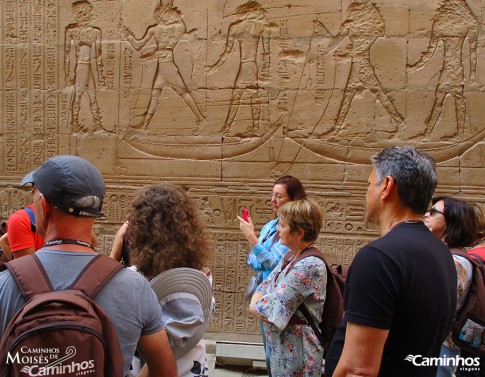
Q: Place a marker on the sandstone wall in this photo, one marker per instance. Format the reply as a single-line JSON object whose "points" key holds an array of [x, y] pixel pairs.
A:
{"points": [[223, 97]]}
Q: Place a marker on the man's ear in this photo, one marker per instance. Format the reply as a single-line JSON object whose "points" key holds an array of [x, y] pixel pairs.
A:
{"points": [[388, 185], [45, 206]]}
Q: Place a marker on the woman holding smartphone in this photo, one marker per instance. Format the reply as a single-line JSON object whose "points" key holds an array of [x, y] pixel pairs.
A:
{"points": [[267, 249]]}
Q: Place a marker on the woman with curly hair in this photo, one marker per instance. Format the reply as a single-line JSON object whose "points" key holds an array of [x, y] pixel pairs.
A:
{"points": [[166, 233]]}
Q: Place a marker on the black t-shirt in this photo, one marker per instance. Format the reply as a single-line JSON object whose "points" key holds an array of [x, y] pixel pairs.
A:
{"points": [[404, 282]]}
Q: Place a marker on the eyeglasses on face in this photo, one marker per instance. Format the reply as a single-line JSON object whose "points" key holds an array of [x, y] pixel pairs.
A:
{"points": [[277, 196], [433, 211]]}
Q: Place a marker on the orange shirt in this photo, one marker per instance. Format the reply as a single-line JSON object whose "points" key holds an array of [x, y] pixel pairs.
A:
{"points": [[478, 250], [19, 232]]}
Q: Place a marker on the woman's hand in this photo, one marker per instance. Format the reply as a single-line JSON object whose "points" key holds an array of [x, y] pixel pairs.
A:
{"points": [[256, 297], [247, 228]]}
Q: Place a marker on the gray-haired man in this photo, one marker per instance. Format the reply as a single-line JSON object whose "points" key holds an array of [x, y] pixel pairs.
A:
{"points": [[400, 293]]}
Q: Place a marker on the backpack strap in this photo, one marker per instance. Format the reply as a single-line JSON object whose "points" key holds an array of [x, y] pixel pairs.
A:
{"points": [[478, 257], [322, 333], [96, 274], [32, 219], [30, 276], [460, 252], [312, 252], [472, 258], [316, 329]]}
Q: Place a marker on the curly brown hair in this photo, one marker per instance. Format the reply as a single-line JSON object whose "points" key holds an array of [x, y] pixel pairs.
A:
{"points": [[165, 231]]}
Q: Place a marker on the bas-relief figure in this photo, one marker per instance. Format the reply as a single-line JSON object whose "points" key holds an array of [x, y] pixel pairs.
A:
{"points": [[168, 31], [83, 62], [453, 23], [362, 26], [264, 79], [248, 31]]}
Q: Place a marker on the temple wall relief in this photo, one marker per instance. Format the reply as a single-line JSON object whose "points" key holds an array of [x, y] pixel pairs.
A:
{"points": [[224, 96]]}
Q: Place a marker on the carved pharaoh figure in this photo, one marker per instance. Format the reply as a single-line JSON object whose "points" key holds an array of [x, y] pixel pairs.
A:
{"points": [[168, 31], [83, 61], [361, 28], [248, 32], [452, 24]]}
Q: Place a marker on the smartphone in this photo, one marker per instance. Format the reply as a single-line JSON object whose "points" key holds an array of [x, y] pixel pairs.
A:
{"points": [[245, 214]]}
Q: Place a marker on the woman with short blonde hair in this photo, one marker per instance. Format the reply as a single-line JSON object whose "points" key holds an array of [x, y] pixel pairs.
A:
{"points": [[294, 349]]}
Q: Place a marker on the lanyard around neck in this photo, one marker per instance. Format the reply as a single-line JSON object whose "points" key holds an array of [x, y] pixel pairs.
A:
{"points": [[68, 241]]}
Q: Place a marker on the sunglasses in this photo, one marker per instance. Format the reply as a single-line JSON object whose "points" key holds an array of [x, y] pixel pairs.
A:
{"points": [[434, 211]]}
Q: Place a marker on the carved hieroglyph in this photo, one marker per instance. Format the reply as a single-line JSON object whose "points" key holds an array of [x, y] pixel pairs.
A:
{"points": [[223, 96]]}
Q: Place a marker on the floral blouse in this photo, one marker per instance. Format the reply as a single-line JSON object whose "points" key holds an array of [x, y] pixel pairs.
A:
{"points": [[293, 348]]}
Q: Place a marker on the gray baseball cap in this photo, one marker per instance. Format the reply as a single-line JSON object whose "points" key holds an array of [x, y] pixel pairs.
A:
{"points": [[65, 181]]}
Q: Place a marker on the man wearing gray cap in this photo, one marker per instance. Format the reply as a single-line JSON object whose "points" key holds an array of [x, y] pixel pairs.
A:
{"points": [[68, 196]]}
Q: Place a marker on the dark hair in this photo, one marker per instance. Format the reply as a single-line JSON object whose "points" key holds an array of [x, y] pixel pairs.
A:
{"points": [[461, 226], [302, 215], [414, 173], [294, 188], [165, 231], [480, 220]]}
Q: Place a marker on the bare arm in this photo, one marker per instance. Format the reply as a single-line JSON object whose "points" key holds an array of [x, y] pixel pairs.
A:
{"points": [[138, 44], [433, 44], [155, 350], [362, 352], [472, 38], [24, 252], [225, 54], [5, 246], [117, 247]]}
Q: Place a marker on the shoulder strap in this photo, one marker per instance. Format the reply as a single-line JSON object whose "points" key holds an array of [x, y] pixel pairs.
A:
{"points": [[302, 308], [474, 259], [96, 274], [478, 257], [32, 218], [464, 254], [313, 252], [29, 275], [31, 278], [459, 252], [310, 252]]}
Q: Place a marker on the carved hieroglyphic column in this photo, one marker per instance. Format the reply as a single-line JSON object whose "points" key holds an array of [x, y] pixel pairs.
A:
{"points": [[224, 96]]}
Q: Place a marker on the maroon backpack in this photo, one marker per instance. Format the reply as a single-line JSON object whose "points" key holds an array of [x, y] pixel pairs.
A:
{"points": [[61, 333], [333, 308], [468, 329]]}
